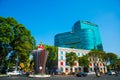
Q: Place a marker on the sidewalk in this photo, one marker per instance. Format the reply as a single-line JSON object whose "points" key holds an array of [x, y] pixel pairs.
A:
{"points": [[62, 75], [2, 75]]}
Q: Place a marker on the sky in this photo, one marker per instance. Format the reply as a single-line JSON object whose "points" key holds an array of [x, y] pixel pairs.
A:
{"points": [[46, 18]]}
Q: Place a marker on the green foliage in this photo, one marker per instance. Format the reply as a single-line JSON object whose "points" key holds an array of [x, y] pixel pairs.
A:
{"points": [[71, 58], [14, 39], [83, 61], [117, 64], [52, 52], [111, 57], [52, 56], [6, 34], [97, 54]]}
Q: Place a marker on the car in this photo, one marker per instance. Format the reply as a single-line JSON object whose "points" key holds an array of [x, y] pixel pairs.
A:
{"points": [[117, 73], [111, 73], [14, 73], [80, 74], [91, 73]]}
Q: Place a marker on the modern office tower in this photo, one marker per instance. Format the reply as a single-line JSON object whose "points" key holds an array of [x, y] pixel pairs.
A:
{"points": [[84, 35]]}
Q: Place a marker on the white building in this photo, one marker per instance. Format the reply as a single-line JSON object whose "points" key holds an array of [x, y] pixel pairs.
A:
{"points": [[63, 66]]}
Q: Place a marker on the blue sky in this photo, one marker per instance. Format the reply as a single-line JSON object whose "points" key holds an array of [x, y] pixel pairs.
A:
{"points": [[45, 18]]}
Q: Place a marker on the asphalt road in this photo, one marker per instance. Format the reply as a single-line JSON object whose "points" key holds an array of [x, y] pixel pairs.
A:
{"points": [[89, 77]]}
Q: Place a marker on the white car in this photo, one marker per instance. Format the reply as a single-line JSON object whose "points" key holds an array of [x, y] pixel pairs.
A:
{"points": [[13, 73], [90, 73], [111, 73]]}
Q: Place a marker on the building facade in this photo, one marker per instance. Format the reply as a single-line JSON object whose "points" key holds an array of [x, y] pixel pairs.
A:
{"points": [[64, 67], [84, 35], [62, 64]]}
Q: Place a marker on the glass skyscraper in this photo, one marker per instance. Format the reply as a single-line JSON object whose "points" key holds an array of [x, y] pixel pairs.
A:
{"points": [[84, 35]]}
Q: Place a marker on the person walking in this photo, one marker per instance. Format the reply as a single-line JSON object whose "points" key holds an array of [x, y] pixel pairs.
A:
{"points": [[97, 71]]}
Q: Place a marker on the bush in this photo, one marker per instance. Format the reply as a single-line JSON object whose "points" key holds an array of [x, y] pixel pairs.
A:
{"points": [[62, 73], [71, 73]]}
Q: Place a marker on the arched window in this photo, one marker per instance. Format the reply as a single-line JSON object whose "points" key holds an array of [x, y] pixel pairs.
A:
{"points": [[61, 63], [90, 64], [61, 69], [79, 68], [75, 64], [101, 64]]}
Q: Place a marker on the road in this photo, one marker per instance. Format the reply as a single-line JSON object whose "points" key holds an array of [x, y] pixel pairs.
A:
{"points": [[89, 77]]}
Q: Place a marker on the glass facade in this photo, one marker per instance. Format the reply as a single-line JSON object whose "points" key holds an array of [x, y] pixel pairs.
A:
{"points": [[84, 35]]}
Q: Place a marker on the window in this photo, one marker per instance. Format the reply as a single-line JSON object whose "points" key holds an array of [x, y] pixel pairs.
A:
{"points": [[90, 69], [66, 68], [61, 63], [76, 69], [82, 54], [78, 54], [79, 68], [100, 64], [90, 64], [75, 64], [66, 63], [71, 69], [61, 52], [90, 59], [61, 57], [65, 52], [61, 69]]}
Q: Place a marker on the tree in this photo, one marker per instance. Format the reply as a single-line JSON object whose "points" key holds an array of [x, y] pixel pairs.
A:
{"points": [[83, 61], [116, 64], [52, 57], [16, 42], [97, 54], [111, 58], [6, 36], [71, 58]]}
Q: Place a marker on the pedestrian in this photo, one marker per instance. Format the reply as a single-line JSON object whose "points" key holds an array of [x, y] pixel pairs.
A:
{"points": [[97, 71]]}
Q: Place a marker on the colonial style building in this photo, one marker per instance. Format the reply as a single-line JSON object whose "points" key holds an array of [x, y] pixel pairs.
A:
{"points": [[97, 61], [64, 67]]}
